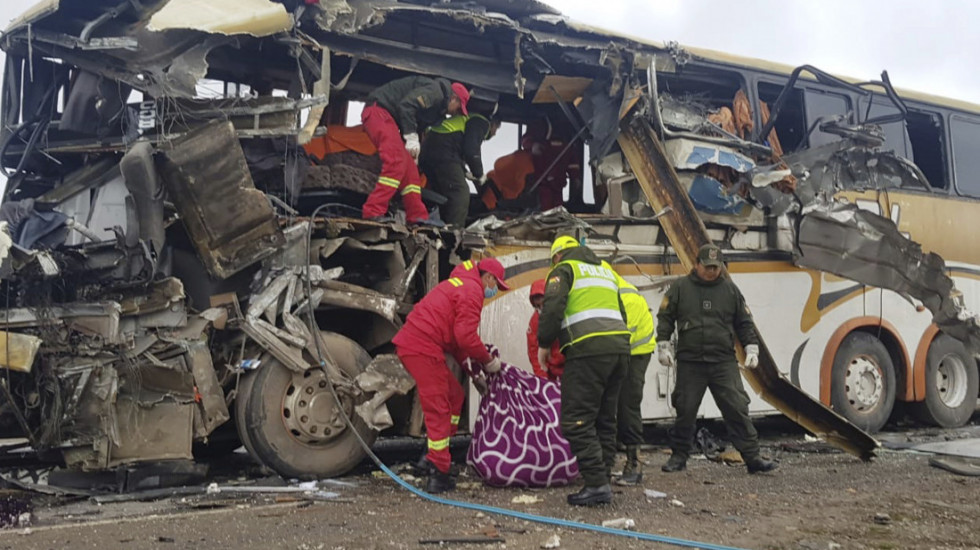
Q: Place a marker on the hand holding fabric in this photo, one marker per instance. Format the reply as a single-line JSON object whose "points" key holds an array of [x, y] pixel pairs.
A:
{"points": [[492, 367]]}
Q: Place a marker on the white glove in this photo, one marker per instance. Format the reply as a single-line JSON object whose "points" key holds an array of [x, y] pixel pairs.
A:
{"points": [[665, 354], [480, 181], [543, 354], [493, 367], [751, 356], [412, 145]]}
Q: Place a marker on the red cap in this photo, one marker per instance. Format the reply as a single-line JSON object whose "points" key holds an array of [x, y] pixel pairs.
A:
{"points": [[464, 96], [537, 288], [493, 266]]}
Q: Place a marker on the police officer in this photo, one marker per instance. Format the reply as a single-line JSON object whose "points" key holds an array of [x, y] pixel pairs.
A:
{"points": [[708, 311], [629, 425], [583, 311], [447, 150]]}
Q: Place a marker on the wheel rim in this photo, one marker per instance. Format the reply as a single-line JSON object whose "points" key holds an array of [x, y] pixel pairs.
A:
{"points": [[309, 411], [864, 383], [951, 379]]}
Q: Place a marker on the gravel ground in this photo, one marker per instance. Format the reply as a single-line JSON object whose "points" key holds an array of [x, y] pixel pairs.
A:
{"points": [[815, 500]]}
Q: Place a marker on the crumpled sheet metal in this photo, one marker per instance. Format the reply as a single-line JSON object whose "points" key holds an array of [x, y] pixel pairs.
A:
{"points": [[862, 246], [656, 176], [385, 376], [254, 17], [543, 226]]}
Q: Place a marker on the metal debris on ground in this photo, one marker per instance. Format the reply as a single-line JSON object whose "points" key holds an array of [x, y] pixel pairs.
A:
{"points": [[651, 494], [525, 499], [463, 540]]}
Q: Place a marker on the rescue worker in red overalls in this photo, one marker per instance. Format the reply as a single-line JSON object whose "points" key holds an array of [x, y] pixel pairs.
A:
{"points": [[393, 115], [446, 321], [555, 364]]}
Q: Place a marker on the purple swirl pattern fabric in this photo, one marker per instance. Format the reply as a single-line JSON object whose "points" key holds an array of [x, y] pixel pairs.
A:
{"points": [[517, 441]]}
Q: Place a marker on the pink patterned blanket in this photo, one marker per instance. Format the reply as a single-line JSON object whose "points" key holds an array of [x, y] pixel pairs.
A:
{"points": [[517, 441]]}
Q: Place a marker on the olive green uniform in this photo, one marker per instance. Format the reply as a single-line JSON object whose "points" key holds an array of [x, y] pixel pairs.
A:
{"points": [[596, 361], [708, 316], [639, 321], [447, 150]]}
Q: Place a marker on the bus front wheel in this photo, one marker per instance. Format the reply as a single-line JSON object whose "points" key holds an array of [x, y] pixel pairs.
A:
{"points": [[951, 385], [863, 381], [290, 421]]}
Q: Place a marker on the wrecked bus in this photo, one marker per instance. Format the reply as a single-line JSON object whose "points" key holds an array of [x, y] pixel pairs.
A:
{"points": [[184, 268]]}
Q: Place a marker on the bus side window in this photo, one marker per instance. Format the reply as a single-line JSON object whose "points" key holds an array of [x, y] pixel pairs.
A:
{"points": [[926, 135], [823, 105], [791, 121], [895, 138], [965, 137]]}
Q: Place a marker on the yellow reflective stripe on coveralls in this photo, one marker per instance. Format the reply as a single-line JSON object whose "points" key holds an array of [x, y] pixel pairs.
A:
{"points": [[439, 444]]}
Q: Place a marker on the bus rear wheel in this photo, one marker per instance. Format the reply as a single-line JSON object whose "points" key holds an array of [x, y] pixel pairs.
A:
{"points": [[863, 381], [292, 423], [951, 385]]}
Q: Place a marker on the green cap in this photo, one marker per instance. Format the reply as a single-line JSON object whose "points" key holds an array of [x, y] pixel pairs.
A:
{"points": [[710, 255]]}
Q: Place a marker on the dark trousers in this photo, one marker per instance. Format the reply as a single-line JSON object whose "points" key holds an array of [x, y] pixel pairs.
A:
{"points": [[449, 180], [725, 383], [629, 425], [589, 393]]}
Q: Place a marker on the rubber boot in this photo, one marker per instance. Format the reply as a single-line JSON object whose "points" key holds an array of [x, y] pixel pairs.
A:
{"points": [[440, 482], [632, 470], [675, 463], [591, 496], [759, 465]]}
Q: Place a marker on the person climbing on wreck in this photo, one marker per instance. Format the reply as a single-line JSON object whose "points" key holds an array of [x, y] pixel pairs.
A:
{"points": [[449, 151], [392, 117], [445, 321]]}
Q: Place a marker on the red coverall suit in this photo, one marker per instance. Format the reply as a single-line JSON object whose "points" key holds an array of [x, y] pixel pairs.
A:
{"points": [[556, 361], [398, 169], [445, 321]]}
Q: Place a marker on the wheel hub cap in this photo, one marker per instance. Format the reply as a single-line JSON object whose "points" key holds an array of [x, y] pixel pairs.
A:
{"points": [[951, 381], [865, 383], [309, 410]]}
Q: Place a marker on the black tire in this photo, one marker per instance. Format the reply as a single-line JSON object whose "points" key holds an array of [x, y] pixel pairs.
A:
{"points": [[268, 418], [951, 385], [862, 387]]}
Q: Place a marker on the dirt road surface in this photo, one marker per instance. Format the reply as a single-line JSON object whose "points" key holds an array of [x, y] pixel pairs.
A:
{"points": [[816, 500]]}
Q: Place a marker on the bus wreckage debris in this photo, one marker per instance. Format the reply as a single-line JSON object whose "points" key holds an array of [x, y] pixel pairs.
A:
{"points": [[165, 275]]}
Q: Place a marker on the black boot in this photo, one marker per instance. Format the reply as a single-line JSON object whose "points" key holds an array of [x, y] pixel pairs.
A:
{"points": [[675, 463], [760, 465], [440, 483], [591, 496], [632, 471], [423, 467]]}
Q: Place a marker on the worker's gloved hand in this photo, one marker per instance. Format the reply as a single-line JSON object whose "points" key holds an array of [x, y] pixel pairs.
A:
{"points": [[751, 356], [543, 354], [480, 181], [493, 366], [665, 353], [412, 145]]}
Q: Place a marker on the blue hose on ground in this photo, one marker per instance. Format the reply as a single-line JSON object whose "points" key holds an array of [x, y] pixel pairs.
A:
{"points": [[323, 355], [553, 521]]}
